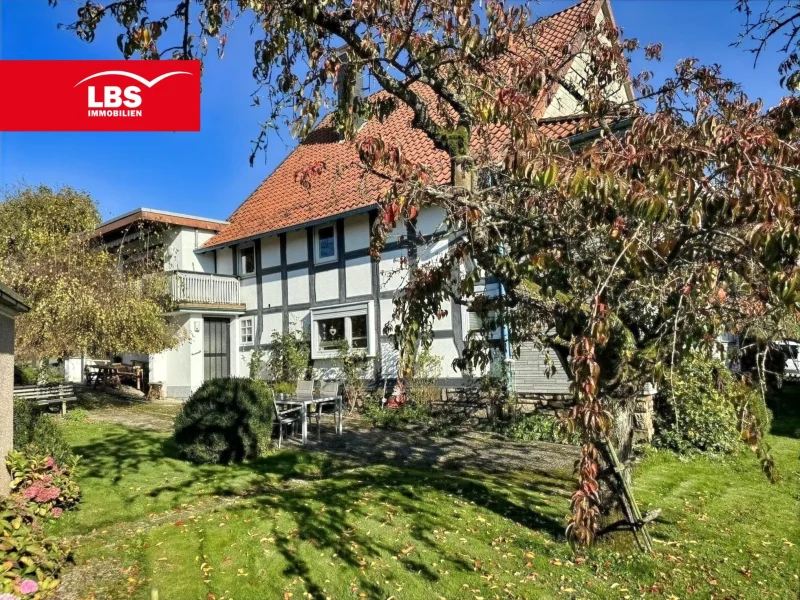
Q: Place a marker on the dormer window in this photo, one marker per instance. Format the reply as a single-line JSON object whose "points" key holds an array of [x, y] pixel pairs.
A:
{"points": [[325, 244], [247, 260]]}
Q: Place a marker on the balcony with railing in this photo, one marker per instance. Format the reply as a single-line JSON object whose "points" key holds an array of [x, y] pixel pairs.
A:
{"points": [[190, 289]]}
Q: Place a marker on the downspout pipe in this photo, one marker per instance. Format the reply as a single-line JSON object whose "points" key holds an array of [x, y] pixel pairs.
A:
{"points": [[507, 357]]}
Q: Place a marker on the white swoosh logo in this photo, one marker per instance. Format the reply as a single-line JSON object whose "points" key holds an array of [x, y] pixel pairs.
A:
{"points": [[138, 78]]}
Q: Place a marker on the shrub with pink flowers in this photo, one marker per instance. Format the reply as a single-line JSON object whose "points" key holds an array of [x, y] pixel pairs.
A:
{"points": [[47, 487], [30, 563]]}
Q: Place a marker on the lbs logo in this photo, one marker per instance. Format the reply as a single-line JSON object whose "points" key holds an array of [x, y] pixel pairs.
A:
{"points": [[115, 97], [108, 96]]}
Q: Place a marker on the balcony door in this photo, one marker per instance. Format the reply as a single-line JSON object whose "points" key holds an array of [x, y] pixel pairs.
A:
{"points": [[216, 348]]}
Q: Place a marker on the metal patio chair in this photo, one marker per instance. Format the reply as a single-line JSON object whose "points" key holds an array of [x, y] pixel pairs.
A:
{"points": [[287, 417], [328, 389]]}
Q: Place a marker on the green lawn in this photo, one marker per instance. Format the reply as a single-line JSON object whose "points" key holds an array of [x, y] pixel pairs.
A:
{"points": [[297, 525]]}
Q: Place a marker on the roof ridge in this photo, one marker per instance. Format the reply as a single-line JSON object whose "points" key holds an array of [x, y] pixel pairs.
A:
{"points": [[563, 10]]}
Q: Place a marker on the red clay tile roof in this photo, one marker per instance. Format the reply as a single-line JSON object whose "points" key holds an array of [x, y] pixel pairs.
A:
{"points": [[560, 29], [280, 203]]}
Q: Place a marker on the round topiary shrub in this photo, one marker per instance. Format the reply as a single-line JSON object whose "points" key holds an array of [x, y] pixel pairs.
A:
{"points": [[226, 420]]}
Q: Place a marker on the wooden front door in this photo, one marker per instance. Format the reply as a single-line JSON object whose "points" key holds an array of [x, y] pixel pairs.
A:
{"points": [[216, 348]]}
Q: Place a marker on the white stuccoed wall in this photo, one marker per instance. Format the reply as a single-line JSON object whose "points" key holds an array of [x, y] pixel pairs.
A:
{"points": [[270, 252], [181, 243], [225, 261], [296, 246], [356, 232], [73, 370], [181, 368], [248, 292], [297, 284], [326, 284]]}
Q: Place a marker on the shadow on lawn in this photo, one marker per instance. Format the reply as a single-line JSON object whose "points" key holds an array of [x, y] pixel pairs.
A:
{"points": [[122, 452], [347, 492], [389, 494]]}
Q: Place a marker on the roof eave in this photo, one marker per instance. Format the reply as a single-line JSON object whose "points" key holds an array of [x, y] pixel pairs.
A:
{"points": [[152, 214], [596, 131], [11, 300], [274, 232]]}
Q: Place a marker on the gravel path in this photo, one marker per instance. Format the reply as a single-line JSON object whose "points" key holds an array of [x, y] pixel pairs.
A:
{"points": [[128, 406]]}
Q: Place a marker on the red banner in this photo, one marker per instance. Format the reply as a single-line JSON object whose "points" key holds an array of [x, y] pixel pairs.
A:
{"points": [[99, 95]]}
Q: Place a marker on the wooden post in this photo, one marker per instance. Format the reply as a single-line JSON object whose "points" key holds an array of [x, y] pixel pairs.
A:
{"points": [[631, 510]]}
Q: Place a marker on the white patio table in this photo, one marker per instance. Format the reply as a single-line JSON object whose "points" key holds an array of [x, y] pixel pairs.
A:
{"points": [[305, 403]]}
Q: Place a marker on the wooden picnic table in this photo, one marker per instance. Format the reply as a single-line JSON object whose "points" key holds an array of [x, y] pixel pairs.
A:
{"points": [[102, 373], [113, 373], [305, 403]]}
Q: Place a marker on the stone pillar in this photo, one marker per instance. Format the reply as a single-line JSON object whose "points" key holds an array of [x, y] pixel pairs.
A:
{"points": [[6, 397], [462, 177], [643, 420], [10, 306]]}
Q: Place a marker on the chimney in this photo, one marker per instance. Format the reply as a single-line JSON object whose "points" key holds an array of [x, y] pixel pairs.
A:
{"points": [[349, 85]]}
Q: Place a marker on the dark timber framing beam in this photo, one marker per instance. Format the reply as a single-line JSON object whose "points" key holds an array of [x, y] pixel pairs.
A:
{"points": [[312, 280], [340, 253], [259, 328], [284, 284], [375, 272]]}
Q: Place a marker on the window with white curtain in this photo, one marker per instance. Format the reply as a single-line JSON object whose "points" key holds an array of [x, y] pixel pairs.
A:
{"points": [[332, 327]]}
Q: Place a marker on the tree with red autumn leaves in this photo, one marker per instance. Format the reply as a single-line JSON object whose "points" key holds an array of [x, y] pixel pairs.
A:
{"points": [[631, 248]]}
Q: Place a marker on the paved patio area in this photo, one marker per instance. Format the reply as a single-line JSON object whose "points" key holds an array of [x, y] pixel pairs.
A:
{"points": [[461, 449]]}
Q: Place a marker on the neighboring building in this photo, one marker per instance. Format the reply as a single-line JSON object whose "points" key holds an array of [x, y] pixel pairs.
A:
{"points": [[206, 296], [10, 306], [292, 258]]}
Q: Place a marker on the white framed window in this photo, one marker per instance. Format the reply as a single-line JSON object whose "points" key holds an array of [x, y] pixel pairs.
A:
{"points": [[325, 244], [247, 260], [246, 331], [332, 326]]}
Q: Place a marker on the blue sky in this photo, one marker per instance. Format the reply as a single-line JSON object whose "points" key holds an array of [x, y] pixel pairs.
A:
{"points": [[208, 173]]}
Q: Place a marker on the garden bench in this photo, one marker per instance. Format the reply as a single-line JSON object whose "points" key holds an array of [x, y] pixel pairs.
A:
{"points": [[45, 395]]}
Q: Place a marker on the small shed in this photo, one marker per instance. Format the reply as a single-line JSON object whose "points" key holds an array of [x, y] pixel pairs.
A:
{"points": [[10, 306]]}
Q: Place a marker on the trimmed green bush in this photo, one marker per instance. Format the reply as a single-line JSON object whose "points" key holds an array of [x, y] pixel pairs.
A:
{"points": [[226, 420], [48, 440], [709, 409], [25, 415], [32, 375], [38, 433]]}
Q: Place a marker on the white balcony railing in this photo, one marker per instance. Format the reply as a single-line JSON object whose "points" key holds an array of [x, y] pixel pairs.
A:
{"points": [[203, 288]]}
